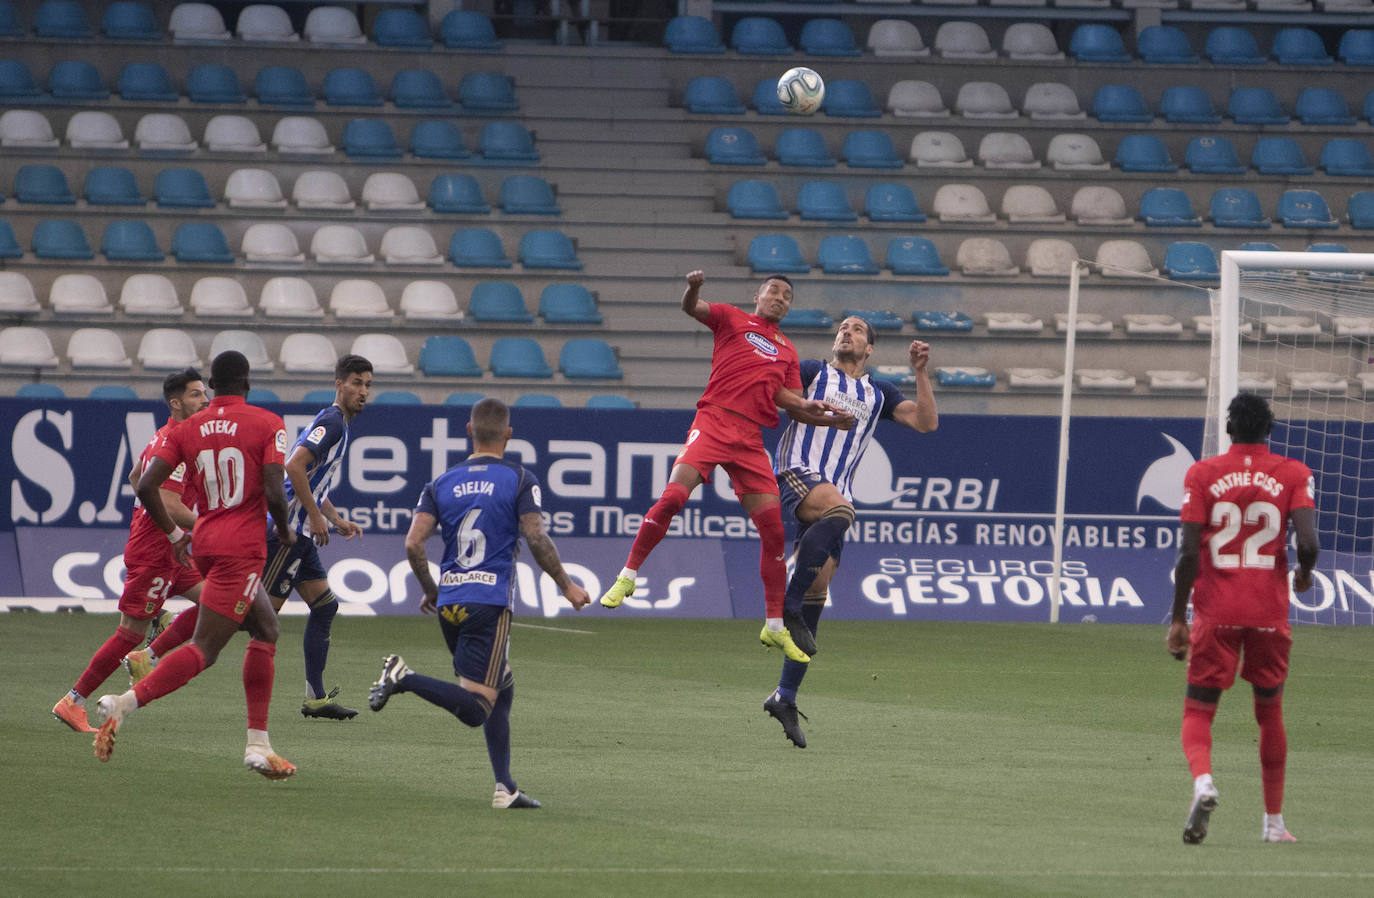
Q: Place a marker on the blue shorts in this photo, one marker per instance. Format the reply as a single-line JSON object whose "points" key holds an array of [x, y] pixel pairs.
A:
{"points": [[794, 485], [479, 638], [290, 565]]}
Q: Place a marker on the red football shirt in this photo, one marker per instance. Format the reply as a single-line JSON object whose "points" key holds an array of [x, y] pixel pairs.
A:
{"points": [[225, 447], [1244, 500], [147, 545], [750, 362]]}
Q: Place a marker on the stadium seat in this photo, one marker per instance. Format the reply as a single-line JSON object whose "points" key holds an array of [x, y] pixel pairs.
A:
{"points": [[846, 97], [498, 301], [1256, 106], [589, 358], [277, 85], [878, 319], [1188, 261], [1305, 209], [37, 391], [776, 252], [125, 21], [477, 248], [200, 241], [9, 21], [17, 296], [311, 353], [92, 130], [78, 294], [26, 346], [260, 395], [712, 95], [1030, 41], [214, 84], [1014, 323], [1097, 43], [112, 392], [43, 184], [942, 321], [76, 79], [824, 201], [1104, 379], [807, 318], [387, 353], [916, 99], [269, 242], [518, 357], [754, 199], [16, 82], [436, 139], [9, 246], [1346, 156], [1124, 258], [25, 128], [340, 245], [448, 356], [60, 238], [1357, 46], [464, 399], [1164, 44], [1120, 103], [401, 28], [253, 188], [164, 132], [963, 40], [1237, 207], [1150, 324], [733, 146], [1052, 101], [892, 202], [1279, 156], [1299, 46], [197, 22], [1144, 152], [1323, 106], [984, 100], [528, 195], [896, 37], [568, 304], [760, 36], [409, 245], [1006, 149], [914, 255], [350, 87], [964, 376], [467, 30], [537, 400], [803, 146], [985, 257], [219, 297], [457, 192], [487, 92], [1232, 45], [358, 298], [609, 400], [685, 34], [289, 297], [507, 142], [1031, 204], [182, 188], [845, 254], [1213, 155], [548, 249], [1168, 207], [1187, 104], [262, 22], [1360, 209], [962, 203], [1051, 257], [1099, 205], [396, 397], [130, 241], [301, 135], [149, 294], [430, 301], [167, 349], [62, 19], [828, 37], [939, 149], [233, 134], [390, 192], [370, 139], [333, 25]]}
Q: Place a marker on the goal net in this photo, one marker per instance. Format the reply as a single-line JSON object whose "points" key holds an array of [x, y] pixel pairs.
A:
{"points": [[1298, 328]]}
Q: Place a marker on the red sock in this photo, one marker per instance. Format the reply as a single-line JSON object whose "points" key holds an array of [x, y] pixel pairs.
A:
{"points": [[106, 659], [1197, 735], [182, 628], [772, 557], [171, 673], [258, 671], [655, 523], [1273, 750]]}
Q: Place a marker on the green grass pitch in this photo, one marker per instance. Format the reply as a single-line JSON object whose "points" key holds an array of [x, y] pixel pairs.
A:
{"points": [[945, 759]]}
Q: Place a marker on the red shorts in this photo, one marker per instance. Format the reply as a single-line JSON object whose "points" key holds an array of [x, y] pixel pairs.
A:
{"points": [[720, 438], [231, 583], [1217, 650], [147, 587]]}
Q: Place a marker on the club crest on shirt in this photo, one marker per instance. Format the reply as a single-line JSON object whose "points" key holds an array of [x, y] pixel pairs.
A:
{"points": [[761, 343]]}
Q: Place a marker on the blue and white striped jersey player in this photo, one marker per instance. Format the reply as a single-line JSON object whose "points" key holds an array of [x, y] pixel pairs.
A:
{"points": [[815, 468], [482, 506]]}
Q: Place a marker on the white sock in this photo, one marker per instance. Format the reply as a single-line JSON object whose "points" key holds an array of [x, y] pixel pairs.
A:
{"points": [[1202, 782], [1274, 822], [258, 739], [128, 702], [78, 700], [626, 572], [774, 624]]}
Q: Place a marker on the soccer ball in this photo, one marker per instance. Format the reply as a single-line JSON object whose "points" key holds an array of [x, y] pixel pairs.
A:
{"points": [[801, 90]]}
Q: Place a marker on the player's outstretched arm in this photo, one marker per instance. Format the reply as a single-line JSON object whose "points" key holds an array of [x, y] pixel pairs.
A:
{"points": [[691, 301], [422, 528], [149, 491], [1305, 526], [274, 491], [920, 415], [816, 412], [546, 556], [1185, 574]]}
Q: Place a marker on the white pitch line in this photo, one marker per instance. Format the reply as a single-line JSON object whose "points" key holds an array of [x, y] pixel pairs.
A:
{"points": [[683, 871], [553, 629]]}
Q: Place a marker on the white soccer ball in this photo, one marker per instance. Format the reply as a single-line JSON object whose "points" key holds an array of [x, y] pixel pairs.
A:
{"points": [[801, 90]]}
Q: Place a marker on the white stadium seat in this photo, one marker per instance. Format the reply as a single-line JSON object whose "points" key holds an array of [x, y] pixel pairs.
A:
{"points": [[1105, 379], [939, 149], [149, 294], [16, 295], [963, 40], [1051, 257], [916, 99], [263, 22], [253, 188], [1006, 149], [26, 128], [308, 354], [302, 135], [962, 202], [410, 245], [340, 245], [164, 132], [246, 342], [354, 298], [1099, 205], [896, 37], [167, 349], [1014, 323], [391, 192], [387, 354], [984, 99], [79, 294], [289, 297], [333, 25], [97, 347], [28, 347], [1030, 203], [219, 297], [270, 242], [1075, 152], [1088, 323], [1052, 101], [985, 257], [322, 190], [93, 130], [430, 300], [1150, 323], [233, 134], [1030, 40], [197, 22], [1127, 259]]}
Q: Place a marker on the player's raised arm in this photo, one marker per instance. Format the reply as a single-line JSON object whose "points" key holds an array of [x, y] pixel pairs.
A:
{"points": [[1185, 573], [920, 415], [691, 302], [546, 556], [422, 525], [1305, 526], [816, 412]]}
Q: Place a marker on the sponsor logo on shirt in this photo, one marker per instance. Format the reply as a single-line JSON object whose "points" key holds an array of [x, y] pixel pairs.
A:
{"points": [[316, 435], [761, 343]]}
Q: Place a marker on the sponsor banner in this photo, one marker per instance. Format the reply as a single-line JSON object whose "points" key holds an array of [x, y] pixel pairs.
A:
{"points": [[11, 584]]}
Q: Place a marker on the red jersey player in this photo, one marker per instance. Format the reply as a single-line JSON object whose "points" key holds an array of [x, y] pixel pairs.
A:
{"points": [[151, 573], [1238, 506], [235, 458], [754, 371]]}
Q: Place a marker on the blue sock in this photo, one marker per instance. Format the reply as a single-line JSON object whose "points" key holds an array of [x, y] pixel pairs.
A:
{"points": [[317, 627], [821, 540], [497, 731], [469, 707], [793, 671]]}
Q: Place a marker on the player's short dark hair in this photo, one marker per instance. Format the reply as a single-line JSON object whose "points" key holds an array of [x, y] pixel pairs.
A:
{"points": [[779, 277], [1249, 418], [229, 373], [489, 420], [351, 364], [174, 384]]}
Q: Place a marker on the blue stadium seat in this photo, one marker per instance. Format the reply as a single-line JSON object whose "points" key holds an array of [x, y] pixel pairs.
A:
{"points": [[765, 99], [754, 199], [692, 34], [1256, 106], [457, 192], [1097, 43], [892, 202], [803, 146], [1237, 207], [733, 146], [280, 85], [1346, 156], [528, 195], [824, 201], [589, 358], [395, 397], [200, 241], [1357, 47], [42, 184], [1188, 261], [498, 301], [318, 397], [537, 400], [182, 188], [448, 356], [1213, 155], [959, 377], [760, 36], [9, 246], [1168, 207], [712, 95], [259, 395], [1120, 103], [845, 254], [568, 304], [125, 21], [870, 149], [39, 391], [518, 357], [214, 84], [1144, 152], [1300, 46], [146, 81], [1305, 209], [419, 89], [16, 82], [112, 186], [828, 37], [467, 30], [797, 318], [941, 321], [609, 400], [366, 138], [846, 97], [914, 255], [1360, 209], [437, 139], [1279, 156], [465, 399], [477, 248], [1232, 45], [60, 238], [879, 319], [1187, 104], [1164, 44], [1323, 106], [112, 391], [548, 249], [507, 141], [76, 79], [401, 28], [350, 87], [776, 252], [487, 92], [9, 21], [62, 19]]}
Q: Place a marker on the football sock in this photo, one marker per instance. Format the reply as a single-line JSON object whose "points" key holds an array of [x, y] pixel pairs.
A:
{"points": [[820, 542], [655, 523], [182, 628], [1273, 749], [1197, 735], [497, 731], [469, 707], [105, 660], [171, 673], [772, 557], [259, 669], [793, 671], [317, 627]]}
